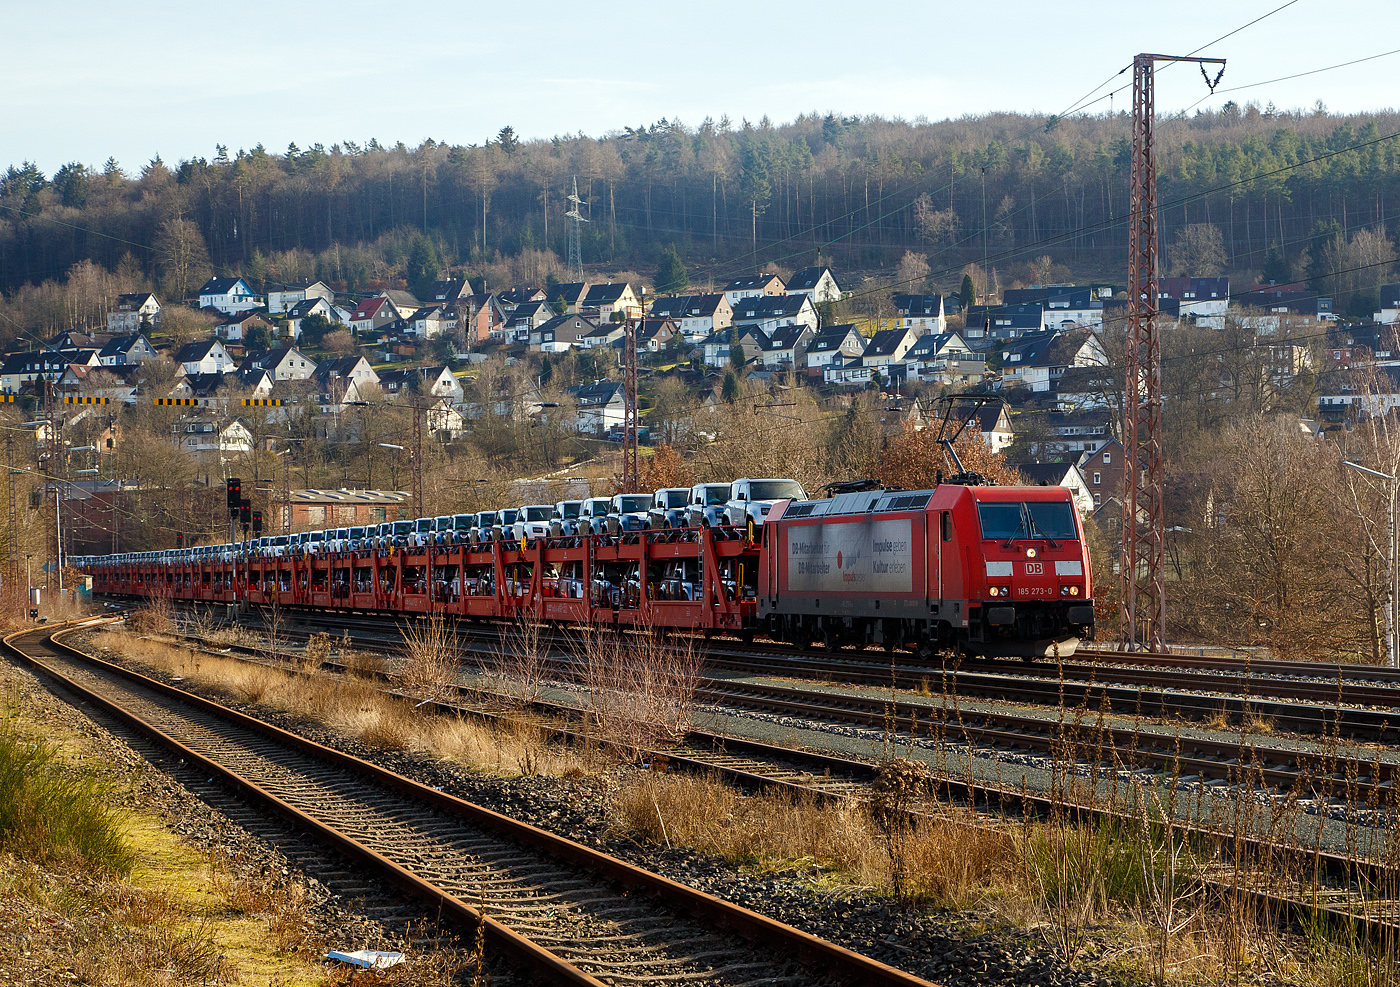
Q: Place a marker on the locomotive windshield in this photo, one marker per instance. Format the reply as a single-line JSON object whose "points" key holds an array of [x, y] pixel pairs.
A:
{"points": [[775, 490], [1005, 522]]}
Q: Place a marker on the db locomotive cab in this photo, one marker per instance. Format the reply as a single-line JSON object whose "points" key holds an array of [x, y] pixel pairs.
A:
{"points": [[1032, 597]]}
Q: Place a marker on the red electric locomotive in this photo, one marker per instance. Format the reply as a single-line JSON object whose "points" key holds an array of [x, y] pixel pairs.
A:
{"points": [[994, 571]]}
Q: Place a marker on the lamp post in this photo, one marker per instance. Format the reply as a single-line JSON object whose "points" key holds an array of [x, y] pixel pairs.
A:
{"points": [[1392, 611]]}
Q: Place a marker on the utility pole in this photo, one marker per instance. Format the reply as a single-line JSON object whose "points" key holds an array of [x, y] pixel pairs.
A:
{"points": [[631, 476], [416, 455], [1142, 562], [575, 233], [12, 560]]}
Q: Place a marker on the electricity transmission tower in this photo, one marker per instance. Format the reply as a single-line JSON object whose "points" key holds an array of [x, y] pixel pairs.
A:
{"points": [[1143, 559], [575, 234]]}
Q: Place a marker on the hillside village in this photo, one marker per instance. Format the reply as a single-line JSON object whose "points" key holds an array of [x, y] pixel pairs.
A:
{"points": [[1047, 351]]}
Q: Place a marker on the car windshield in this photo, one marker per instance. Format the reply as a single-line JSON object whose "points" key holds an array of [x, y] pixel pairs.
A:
{"points": [[716, 494], [674, 498], [570, 508], [1044, 519], [444, 523], [402, 527], [775, 490], [538, 513], [628, 503], [425, 524], [598, 508], [318, 536], [357, 532], [463, 521], [510, 516]]}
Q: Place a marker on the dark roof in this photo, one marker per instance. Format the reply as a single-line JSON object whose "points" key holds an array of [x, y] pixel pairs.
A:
{"points": [[204, 385], [753, 283], [303, 308], [602, 294], [239, 318], [930, 344], [1390, 296], [584, 326], [885, 342], [597, 394], [219, 286], [807, 278], [651, 328], [514, 296], [764, 307], [686, 306], [272, 358], [449, 289], [1052, 474], [570, 291], [786, 337], [135, 300], [831, 338], [34, 363], [340, 367], [119, 345], [1199, 288], [1022, 316], [919, 306], [1300, 302], [196, 351]]}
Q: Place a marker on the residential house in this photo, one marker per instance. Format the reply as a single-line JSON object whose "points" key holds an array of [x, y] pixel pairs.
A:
{"points": [[601, 406], [922, 313], [835, 344], [769, 312], [653, 335], [756, 286], [888, 347], [212, 441], [944, 358], [1054, 433], [1038, 360], [1102, 469], [571, 293], [404, 301], [286, 296], [988, 322], [79, 379], [217, 390], [817, 283], [561, 333], [73, 341], [1349, 395], [786, 348], [234, 328], [204, 356], [228, 295], [347, 378], [609, 299], [373, 314], [854, 372], [697, 315], [135, 312], [1089, 388], [305, 309], [1280, 302], [1390, 304], [483, 316], [1204, 299], [993, 421], [606, 334], [527, 317], [284, 363], [1065, 475], [431, 321], [512, 297], [449, 292], [443, 420], [131, 348], [435, 381], [717, 346]]}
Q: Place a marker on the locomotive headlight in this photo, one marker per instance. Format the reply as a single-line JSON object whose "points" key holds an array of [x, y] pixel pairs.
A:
{"points": [[992, 591], [1064, 591], [1074, 591], [1031, 552]]}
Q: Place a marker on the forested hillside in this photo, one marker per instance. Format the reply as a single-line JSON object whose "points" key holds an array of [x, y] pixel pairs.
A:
{"points": [[731, 198]]}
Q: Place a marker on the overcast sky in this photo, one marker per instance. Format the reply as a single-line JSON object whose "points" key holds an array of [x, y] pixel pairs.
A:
{"points": [[91, 79]]}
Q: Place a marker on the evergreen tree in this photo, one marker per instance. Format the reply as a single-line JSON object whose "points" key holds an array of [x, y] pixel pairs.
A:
{"points": [[967, 294], [423, 267], [671, 276], [1275, 267], [546, 371], [730, 389]]}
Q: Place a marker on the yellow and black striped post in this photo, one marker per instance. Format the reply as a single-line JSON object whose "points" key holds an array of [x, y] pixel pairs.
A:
{"points": [[69, 399], [179, 402], [261, 402]]}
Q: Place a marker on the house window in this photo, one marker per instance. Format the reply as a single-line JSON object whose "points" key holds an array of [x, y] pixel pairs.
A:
{"points": [[1098, 478], [1098, 499], [1107, 458]]}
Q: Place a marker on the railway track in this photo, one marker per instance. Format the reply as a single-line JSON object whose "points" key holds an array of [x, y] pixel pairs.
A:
{"points": [[806, 773], [568, 913], [1356, 710], [1080, 735]]}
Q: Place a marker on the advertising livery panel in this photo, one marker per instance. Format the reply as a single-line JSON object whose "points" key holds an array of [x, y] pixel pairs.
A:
{"points": [[853, 557]]}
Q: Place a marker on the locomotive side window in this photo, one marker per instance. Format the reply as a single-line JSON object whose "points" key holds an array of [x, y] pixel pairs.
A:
{"points": [[947, 525], [1003, 522]]}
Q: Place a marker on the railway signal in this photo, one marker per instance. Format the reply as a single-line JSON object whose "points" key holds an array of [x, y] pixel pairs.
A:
{"points": [[235, 495]]}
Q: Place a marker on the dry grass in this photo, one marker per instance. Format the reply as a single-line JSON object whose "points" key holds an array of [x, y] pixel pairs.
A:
{"points": [[355, 708], [431, 659], [640, 685]]}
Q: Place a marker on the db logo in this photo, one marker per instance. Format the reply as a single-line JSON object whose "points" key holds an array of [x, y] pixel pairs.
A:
{"points": [[1035, 568]]}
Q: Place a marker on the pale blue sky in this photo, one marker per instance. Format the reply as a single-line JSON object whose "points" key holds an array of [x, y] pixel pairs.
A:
{"points": [[90, 79]]}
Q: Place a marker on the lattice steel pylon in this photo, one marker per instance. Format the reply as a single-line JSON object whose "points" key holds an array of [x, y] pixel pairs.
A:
{"points": [[575, 233], [1143, 559], [631, 475]]}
